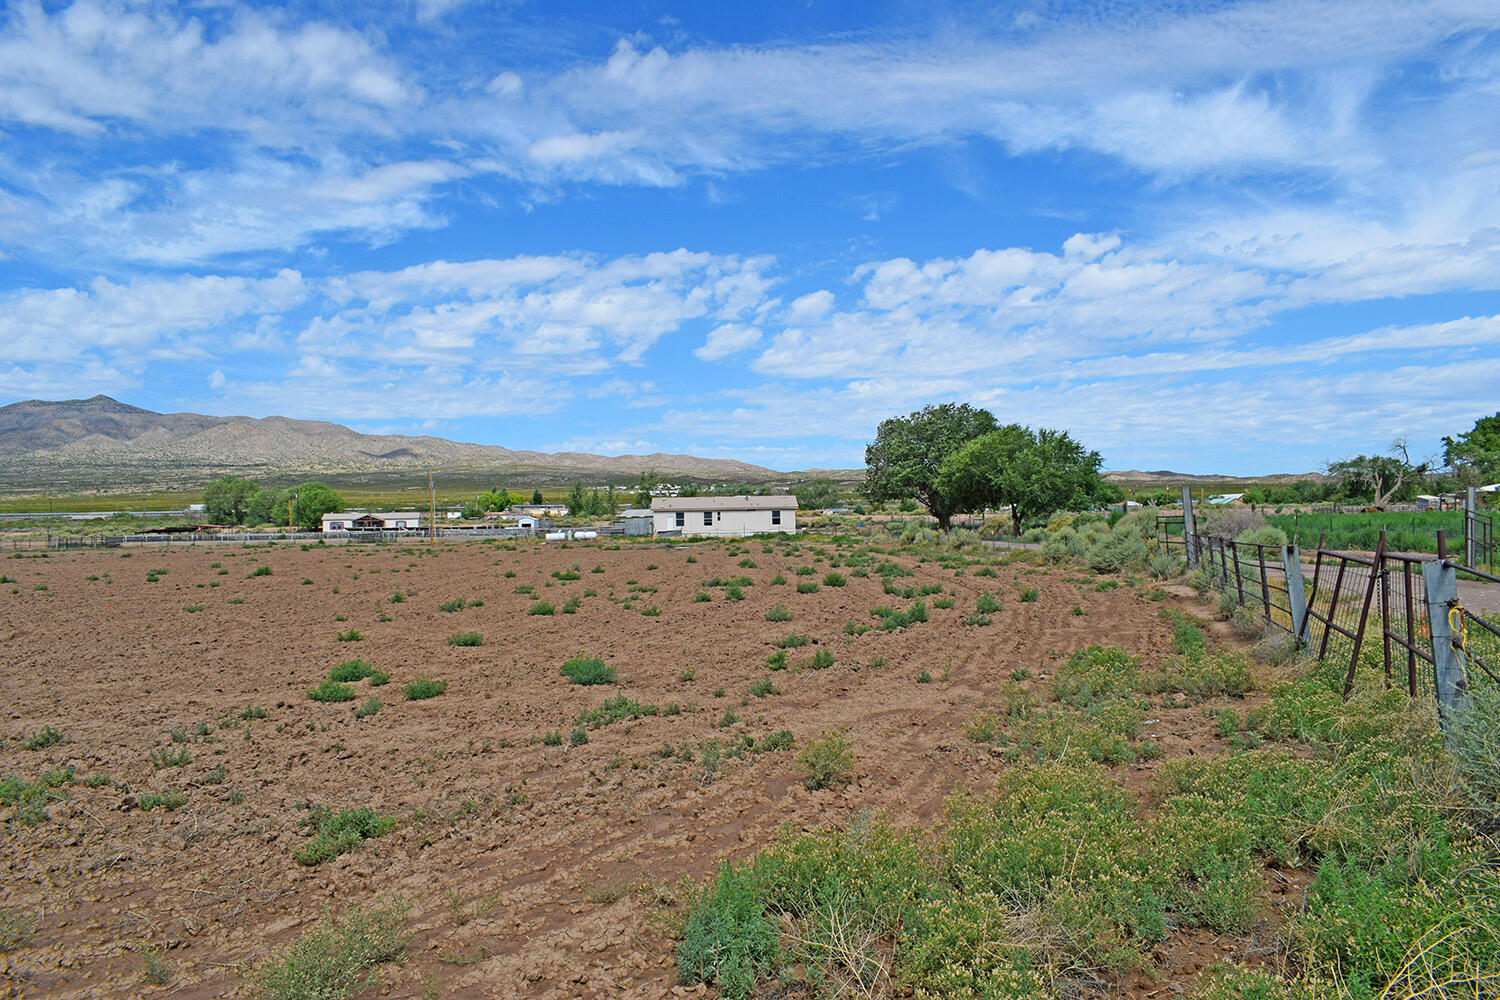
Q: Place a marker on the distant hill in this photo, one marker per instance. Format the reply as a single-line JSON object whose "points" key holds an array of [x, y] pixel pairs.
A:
{"points": [[103, 443], [1135, 477]]}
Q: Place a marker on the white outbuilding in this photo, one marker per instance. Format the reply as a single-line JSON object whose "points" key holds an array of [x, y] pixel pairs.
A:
{"points": [[724, 515]]}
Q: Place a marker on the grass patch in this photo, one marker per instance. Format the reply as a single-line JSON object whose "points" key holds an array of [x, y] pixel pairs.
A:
{"points": [[351, 635], [541, 608], [367, 708], [779, 613], [466, 639], [792, 640]]}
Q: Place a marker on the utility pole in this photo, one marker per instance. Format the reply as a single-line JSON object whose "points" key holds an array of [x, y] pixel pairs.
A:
{"points": [[433, 490]]}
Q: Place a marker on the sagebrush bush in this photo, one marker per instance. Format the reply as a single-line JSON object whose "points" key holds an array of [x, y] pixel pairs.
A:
{"points": [[338, 957], [826, 760]]}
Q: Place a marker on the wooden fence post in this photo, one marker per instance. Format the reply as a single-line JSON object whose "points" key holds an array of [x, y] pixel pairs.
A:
{"points": [[1449, 679], [1291, 561]]}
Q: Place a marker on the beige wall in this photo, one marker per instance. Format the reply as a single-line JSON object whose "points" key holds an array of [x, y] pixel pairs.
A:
{"points": [[726, 522]]}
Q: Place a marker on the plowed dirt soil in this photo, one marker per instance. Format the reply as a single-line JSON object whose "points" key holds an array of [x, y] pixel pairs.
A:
{"points": [[532, 869]]}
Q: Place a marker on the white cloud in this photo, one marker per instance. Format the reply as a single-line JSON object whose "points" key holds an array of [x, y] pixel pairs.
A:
{"points": [[726, 340]]}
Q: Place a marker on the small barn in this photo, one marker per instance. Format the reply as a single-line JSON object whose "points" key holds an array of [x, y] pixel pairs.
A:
{"points": [[736, 516], [637, 521]]}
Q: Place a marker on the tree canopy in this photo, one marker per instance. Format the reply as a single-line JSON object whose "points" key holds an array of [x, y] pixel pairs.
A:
{"points": [[905, 459], [1382, 477], [227, 500], [1033, 472], [817, 493], [1474, 455]]}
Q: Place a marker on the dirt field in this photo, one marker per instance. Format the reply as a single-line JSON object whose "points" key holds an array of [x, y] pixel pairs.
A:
{"points": [[532, 869]]}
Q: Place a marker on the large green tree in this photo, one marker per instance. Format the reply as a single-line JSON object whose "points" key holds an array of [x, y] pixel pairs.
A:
{"points": [[1474, 456], [817, 493], [310, 501], [227, 500], [1383, 478], [907, 454], [1033, 472]]}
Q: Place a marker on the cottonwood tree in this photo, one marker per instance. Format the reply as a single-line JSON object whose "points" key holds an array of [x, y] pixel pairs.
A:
{"points": [[907, 455], [1383, 475], [1474, 456], [1033, 472], [227, 500]]}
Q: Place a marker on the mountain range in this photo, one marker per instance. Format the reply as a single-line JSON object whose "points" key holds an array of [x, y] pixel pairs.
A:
{"points": [[102, 443]]}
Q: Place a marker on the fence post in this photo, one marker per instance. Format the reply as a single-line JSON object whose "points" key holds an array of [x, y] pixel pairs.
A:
{"points": [[1291, 561], [1364, 616], [1471, 526], [1448, 677], [1189, 530]]}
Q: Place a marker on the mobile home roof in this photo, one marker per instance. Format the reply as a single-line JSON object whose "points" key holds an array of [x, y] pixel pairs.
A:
{"points": [[724, 503]]}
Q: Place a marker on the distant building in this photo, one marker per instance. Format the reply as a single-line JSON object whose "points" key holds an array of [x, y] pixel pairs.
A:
{"points": [[354, 520], [540, 509], [1224, 499], [724, 515], [637, 521]]}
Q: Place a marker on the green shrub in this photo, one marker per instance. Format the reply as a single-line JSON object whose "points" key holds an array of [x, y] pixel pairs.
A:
{"points": [[350, 670], [826, 761], [792, 640], [336, 959], [579, 736], [833, 580], [779, 613], [259, 571], [352, 635], [541, 608], [170, 800], [651, 611], [821, 660], [367, 708], [729, 939], [1029, 595], [425, 687], [331, 690], [44, 738], [588, 670], [29, 799], [763, 687], [614, 710], [253, 712], [987, 604], [457, 604], [1117, 550], [1094, 674], [339, 833], [702, 597], [466, 639], [552, 738]]}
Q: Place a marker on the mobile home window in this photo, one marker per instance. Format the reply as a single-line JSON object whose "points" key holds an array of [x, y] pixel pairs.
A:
{"points": [[775, 517], [708, 517], [681, 519]]}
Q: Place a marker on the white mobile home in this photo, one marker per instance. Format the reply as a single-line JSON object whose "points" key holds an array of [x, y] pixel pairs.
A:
{"points": [[724, 515], [354, 520]]}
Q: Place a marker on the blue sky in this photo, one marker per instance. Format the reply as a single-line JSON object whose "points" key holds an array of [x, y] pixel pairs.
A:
{"points": [[1223, 237]]}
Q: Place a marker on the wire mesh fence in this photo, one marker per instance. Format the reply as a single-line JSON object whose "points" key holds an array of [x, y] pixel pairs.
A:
{"points": [[1373, 612]]}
